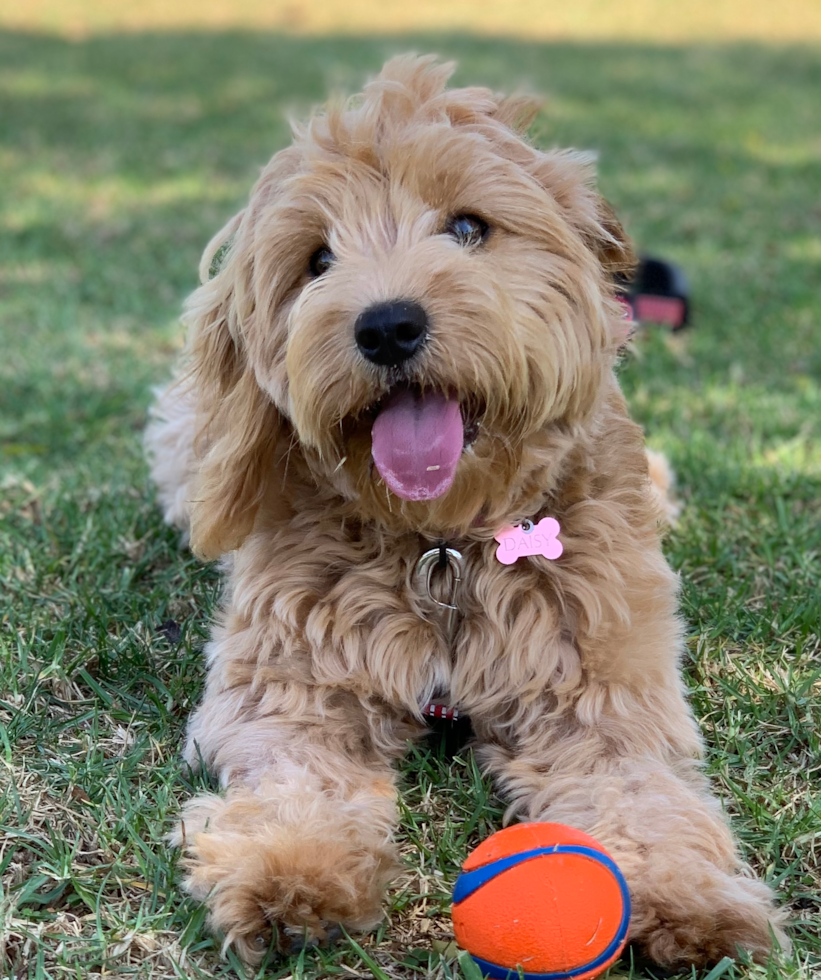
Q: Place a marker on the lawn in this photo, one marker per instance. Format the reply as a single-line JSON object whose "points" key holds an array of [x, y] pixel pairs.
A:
{"points": [[120, 154]]}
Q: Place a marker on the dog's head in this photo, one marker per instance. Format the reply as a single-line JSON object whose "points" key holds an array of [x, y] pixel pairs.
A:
{"points": [[414, 293]]}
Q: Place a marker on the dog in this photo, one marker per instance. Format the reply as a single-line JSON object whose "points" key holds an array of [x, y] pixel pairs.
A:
{"points": [[403, 346]]}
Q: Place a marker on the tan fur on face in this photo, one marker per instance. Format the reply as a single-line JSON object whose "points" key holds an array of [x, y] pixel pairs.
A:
{"points": [[326, 651]]}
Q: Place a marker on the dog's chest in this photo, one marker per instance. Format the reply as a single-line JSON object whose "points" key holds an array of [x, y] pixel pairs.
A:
{"points": [[499, 629], [473, 634]]}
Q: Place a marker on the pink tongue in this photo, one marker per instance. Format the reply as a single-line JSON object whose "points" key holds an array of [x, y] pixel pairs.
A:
{"points": [[416, 444]]}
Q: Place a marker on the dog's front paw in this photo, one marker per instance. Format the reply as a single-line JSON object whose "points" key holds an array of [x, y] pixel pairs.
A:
{"points": [[704, 914], [290, 884]]}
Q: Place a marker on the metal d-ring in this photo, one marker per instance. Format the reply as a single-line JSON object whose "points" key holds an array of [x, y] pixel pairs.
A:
{"points": [[429, 562]]}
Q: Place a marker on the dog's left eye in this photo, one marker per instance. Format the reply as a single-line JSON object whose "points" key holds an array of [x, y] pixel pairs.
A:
{"points": [[467, 229], [319, 263]]}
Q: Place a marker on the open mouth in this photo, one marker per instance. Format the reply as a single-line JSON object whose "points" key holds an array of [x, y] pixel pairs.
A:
{"points": [[417, 440]]}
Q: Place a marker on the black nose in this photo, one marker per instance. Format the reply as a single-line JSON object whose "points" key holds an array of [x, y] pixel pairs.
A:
{"points": [[390, 333]]}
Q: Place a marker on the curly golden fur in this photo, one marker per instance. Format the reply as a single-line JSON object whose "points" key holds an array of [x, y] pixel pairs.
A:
{"points": [[325, 651]]}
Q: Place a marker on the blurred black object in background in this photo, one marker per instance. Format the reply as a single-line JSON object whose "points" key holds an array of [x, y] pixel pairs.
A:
{"points": [[658, 292]]}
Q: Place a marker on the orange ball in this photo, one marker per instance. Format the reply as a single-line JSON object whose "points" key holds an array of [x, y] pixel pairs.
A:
{"points": [[542, 898]]}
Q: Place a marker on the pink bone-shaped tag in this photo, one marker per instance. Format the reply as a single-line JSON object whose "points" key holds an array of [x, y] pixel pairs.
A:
{"points": [[529, 539]]}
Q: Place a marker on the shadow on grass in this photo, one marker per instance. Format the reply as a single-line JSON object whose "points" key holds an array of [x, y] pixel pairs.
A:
{"points": [[140, 105], [122, 154]]}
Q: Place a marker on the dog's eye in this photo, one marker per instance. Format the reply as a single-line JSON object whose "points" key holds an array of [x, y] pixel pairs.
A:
{"points": [[467, 229], [322, 260]]}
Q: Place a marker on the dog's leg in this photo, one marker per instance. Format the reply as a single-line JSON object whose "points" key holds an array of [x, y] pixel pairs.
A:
{"points": [[618, 764], [301, 841]]}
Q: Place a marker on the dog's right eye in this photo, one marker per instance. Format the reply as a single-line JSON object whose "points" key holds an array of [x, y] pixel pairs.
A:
{"points": [[467, 229], [319, 263]]}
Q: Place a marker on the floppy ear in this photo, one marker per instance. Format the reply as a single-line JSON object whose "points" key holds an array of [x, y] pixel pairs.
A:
{"points": [[614, 248], [238, 423], [570, 177]]}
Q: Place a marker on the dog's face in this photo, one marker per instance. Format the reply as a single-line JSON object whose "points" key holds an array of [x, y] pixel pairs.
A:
{"points": [[418, 293]]}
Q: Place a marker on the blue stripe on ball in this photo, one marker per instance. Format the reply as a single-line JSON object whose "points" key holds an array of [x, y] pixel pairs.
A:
{"points": [[509, 973], [471, 881]]}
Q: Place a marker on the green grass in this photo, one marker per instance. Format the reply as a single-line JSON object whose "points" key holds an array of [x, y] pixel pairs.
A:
{"points": [[119, 156]]}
